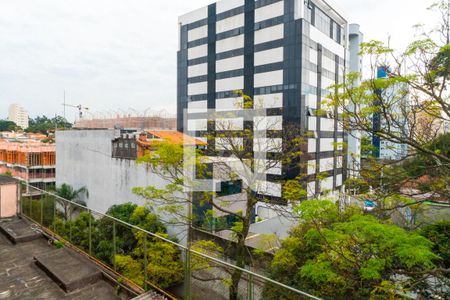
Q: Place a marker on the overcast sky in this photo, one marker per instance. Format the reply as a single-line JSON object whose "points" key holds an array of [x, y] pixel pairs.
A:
{"points": [[117, 54]]}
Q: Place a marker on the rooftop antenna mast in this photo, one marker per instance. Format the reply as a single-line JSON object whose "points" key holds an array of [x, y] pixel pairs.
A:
{"points": [[64, 104]]}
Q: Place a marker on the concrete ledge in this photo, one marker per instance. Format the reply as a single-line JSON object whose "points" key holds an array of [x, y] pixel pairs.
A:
{"points": [[19, 231], [68, 269]]}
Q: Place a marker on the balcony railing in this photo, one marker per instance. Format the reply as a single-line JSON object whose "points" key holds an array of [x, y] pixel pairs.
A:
{"points": [[147, 259]]}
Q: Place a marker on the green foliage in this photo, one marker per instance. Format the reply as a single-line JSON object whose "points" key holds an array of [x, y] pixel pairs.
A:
{"points": [[67, 192], [439, 234], [39, 208], [7, 173], [164, 266], [58, 244], [357, 185], [345, 254], [6, 125], [44, 124]]}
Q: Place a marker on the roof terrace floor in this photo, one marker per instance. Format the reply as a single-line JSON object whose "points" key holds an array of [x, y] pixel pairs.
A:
{"points": [[21, 278]]}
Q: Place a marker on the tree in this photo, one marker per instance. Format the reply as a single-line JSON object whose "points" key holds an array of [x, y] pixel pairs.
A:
{"points": [[439, 234], [233, 159], [164, 265], [345, 254], [6, 125], [413, 105], [44, 124], [69, 193]]}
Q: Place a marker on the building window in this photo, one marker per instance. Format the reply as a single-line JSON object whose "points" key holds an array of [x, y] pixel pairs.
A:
{"points": [[309, 12], [322, 21], [228, 188]]}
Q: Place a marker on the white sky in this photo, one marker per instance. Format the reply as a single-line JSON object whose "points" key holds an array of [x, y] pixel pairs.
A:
{"points": [[117, 54]]}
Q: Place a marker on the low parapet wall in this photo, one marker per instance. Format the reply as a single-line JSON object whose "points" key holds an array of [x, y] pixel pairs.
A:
{"points": [[8, 196]]}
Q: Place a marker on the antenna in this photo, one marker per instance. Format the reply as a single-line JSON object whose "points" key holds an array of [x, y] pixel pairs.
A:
{"points": [[64, 105]]}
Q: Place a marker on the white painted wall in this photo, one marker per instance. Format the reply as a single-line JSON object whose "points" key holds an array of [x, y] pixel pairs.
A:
{"points": [[194, 16], [326, 124], [197, 124], [311, 167], [228, 64], [197, 33], [197, 70], [199, 51], [230, 23], [268, 78], [326, 184], [197, 106], [311, 145], [269, 11], [269, 34], [230, 84], [326, 145], [319, 37], [268, 101], [326, 164], [225, 5], [229, 104], [198, 88], [84, 159], [231, 43], [269, 56]]}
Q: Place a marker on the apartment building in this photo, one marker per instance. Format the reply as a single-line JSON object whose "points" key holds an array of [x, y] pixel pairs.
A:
{"points": [[284, 54], [18, 115]]}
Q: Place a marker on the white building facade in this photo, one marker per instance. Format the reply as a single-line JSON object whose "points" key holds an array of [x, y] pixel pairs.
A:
{"points": [[18, 115], [284, 54], [85, 159]]}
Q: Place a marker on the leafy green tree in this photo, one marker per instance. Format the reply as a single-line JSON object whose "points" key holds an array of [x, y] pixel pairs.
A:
{"points": [[348, 255], [6, 125], [44, 124], [413, 105], [439, 234], [74, 195], [168, 161], [164, 265]]}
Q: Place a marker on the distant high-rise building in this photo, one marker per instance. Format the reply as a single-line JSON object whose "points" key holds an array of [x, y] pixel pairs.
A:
{"points": [[18, 115], [396, 98]]}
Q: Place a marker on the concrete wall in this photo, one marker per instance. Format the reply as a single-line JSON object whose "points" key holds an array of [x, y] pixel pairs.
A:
{"points": [[84, 159], [8, 200]]}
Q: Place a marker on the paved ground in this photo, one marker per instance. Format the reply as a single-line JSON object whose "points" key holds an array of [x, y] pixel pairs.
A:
{"points": [[20, 278]]}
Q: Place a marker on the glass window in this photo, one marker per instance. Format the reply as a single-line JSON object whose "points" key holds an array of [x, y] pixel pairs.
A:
{"points": [[309, 12], [322, 21], [336, 32], [230, 188]]}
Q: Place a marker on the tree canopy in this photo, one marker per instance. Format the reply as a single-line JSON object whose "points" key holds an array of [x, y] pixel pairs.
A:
{"points": [[6, 125], [43, 124], [345, 254]]}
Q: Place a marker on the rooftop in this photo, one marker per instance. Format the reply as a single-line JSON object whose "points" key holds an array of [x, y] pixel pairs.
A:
{"points": [[22, 278], [171, 136], [7, 180]]}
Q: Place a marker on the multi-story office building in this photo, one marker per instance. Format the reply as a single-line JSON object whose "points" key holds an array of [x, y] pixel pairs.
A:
{"points": [[284, 54], [18, 115]]}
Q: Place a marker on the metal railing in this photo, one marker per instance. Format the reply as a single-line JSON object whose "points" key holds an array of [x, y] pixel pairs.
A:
{"points": [[149, 260]]}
